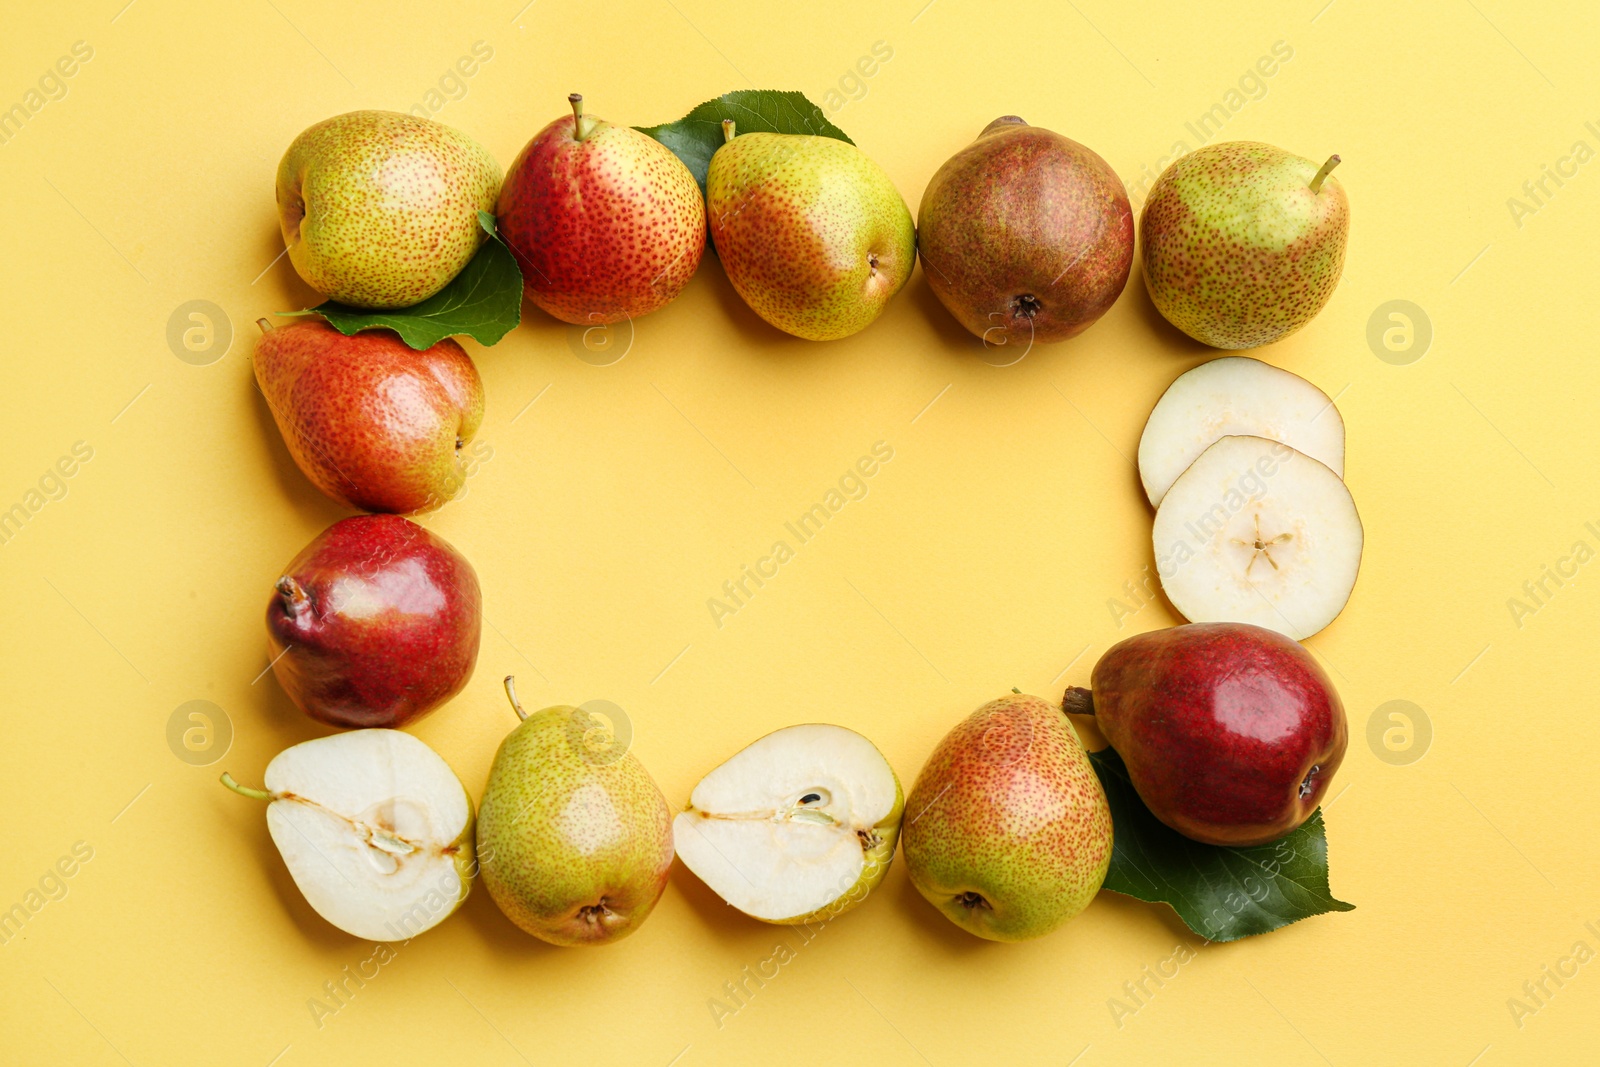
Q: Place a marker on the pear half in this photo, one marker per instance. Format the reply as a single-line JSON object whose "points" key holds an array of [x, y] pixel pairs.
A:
{"points": [[375, 828], [797, 827], [1255, 531]]}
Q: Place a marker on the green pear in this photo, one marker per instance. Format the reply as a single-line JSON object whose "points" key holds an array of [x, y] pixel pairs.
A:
{"points": [[1243, 242], [1007, 831], [574, 837], [812, 234], [380, 209]]}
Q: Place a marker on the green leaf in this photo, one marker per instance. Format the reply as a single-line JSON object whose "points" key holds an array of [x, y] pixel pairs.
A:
{"points": [[483, 302], [698, 134], [1223, 894]]}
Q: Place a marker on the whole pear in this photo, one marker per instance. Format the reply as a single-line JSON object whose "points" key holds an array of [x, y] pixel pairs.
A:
{"points": [[606, 223], [1230, 732], [375, 623], [574, 837], [1243, 242], [1025, 235], [1007, 831], [380, 209], [372, 422], [812, 234]]}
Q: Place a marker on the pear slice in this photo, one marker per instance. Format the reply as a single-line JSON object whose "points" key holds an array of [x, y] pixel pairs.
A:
{"points": [[1257, 532], [796, 827], [375, 828], [1235, 395]]}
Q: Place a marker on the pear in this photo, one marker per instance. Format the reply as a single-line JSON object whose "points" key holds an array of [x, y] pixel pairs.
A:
{"points": [[374, 827], [1243, 242], [1255, 531], [380, 209], [373, 423], [1231, 733], [1232, 396], [574, 838], [376, 622], [812, 234], [1007, 830], [797, 827], [606, 223], [1025, 235]]}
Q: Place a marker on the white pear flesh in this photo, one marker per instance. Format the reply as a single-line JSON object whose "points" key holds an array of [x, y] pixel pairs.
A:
{"points": [[1255, 531], [801, 822], [1235, 396], [374, 827]]}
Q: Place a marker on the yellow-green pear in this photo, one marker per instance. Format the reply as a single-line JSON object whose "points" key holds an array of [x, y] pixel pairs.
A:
{"points": [[1243, 242], [812, 234], [380, 209], [574, 837]]}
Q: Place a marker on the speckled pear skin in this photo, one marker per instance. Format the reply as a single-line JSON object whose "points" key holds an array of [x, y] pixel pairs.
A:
{"points": [[604, 229], [812, 234], [380, 209], [574, 844], [1238, 251], [1025, 235], [372, 422], [1007, 831]]}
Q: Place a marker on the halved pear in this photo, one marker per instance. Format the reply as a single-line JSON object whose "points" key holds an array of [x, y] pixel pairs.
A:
{"points": [[1231, 396], [375, 828], [797, 827], [1257, 532]]}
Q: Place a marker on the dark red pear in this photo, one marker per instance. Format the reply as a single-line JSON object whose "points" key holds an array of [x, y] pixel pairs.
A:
{"points": [[375, 623], [1025, 235], [1230, 732]]}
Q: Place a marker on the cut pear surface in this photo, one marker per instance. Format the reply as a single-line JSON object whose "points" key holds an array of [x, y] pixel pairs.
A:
{"points": [[1235, 396], [1257, 532], [375, 828], [799, 824]]}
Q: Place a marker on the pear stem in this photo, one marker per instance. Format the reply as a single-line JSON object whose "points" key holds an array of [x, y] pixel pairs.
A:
{"points": [[244, 790], [727, 130], [511, 691], [576, 100], [266, 327], [1316, 182], [1078, 701], [295, 598]]}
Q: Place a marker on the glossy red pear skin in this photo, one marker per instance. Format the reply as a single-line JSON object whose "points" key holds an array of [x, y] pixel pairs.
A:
{"points": [[372, 422], [1219, 725], [607, 228], [387, 628]]}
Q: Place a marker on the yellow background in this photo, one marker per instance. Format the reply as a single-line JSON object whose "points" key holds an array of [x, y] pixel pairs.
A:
{"points": [[983, 557]]}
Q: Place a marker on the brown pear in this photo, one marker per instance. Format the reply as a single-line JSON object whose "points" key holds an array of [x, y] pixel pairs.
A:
{"points": [[1025, 235]]}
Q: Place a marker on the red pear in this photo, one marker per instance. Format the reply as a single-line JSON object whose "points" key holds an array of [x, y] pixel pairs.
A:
{"points": [[1230, 732], [372, 422], [374, 623], [606, 223]]}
